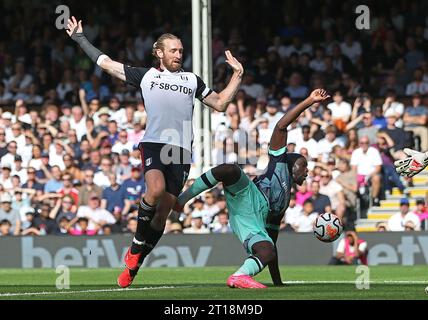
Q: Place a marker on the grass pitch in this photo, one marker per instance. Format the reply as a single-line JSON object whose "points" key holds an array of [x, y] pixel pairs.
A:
{"points": [[302, 282]]}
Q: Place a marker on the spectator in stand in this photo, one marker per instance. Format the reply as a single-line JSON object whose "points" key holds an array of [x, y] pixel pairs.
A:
{"points": [[398, 221], [5, 179], [83, 227], [197, 226], [418, 85], [221, 225], [398, 135], [325, 145], [295, 89], [55, 183], [307, 142], [367, 163], [131, 226], [101, 177], [381, 226], [341, 110], [369, 129], [416, 120], [113, 196], [303, 193], [305, 222], [351, 250], [321, 202], [9, 157], [252, 89], [392, 104], [273, 113], [6, 212], [292, 213], [68, 188], [347, 178], [133, 188], [422, 212], [88, 187], [123, 169], [390, 176], [43, 223], [64, 207], [5, 228], [351, 49], [95, 214], [334, 192], [122, 143]]}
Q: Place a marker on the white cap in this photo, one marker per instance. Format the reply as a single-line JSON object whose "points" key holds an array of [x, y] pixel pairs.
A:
{"points": [[6, 197], [390, 113], [6, 115], [197, 214]]}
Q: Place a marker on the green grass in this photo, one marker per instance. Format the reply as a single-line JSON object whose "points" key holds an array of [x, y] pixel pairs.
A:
{"points": [[209, 283]]}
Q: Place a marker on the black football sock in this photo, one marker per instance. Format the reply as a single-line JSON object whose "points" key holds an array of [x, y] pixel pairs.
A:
{"points": [[151, 237], [145, 216]]}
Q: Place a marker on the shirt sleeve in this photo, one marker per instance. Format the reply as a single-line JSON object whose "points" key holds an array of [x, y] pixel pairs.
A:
{"points": [[377, 160], [362, 246], [341, 247], [134, 75], [202, 91]]}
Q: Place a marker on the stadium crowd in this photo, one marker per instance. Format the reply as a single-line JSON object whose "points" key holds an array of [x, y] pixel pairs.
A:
{"points": [[69, 134]]}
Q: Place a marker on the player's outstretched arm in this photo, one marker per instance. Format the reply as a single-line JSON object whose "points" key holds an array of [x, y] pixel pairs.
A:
{"points": [[279, 135], [114, 68], [413, 164], [220, 101]]}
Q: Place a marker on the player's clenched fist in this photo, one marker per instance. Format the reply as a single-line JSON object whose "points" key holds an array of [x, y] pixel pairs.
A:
{"points": [[412, 165]]}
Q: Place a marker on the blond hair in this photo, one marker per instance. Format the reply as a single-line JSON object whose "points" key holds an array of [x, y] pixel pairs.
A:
{"points": [[160, 42]]}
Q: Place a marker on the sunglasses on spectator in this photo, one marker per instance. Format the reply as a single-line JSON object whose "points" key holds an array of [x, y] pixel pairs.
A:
{"points": [[364, 142]]}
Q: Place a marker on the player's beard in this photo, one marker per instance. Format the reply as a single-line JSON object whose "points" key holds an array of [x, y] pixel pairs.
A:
{"points": [[173, 65]]}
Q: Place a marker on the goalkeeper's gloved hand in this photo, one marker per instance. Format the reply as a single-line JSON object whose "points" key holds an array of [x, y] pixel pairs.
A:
{"points": [[412, 165]]}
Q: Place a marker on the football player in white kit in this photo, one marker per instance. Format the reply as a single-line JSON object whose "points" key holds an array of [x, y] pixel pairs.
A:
{"points": [[168, 93]]}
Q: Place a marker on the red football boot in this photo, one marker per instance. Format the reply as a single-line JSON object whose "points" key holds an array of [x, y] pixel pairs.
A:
{"points": [[132, 262]]}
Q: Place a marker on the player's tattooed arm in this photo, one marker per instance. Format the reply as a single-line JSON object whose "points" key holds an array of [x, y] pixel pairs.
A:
{"points": [[279, 136], [113, 68]]}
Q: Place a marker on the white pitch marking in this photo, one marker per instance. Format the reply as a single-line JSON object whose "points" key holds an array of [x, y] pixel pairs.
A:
{"points": [[353, 282], [41, 293]]}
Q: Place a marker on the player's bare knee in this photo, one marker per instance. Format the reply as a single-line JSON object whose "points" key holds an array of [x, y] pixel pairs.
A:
{"points": [[155, 191], [270, 255]]}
